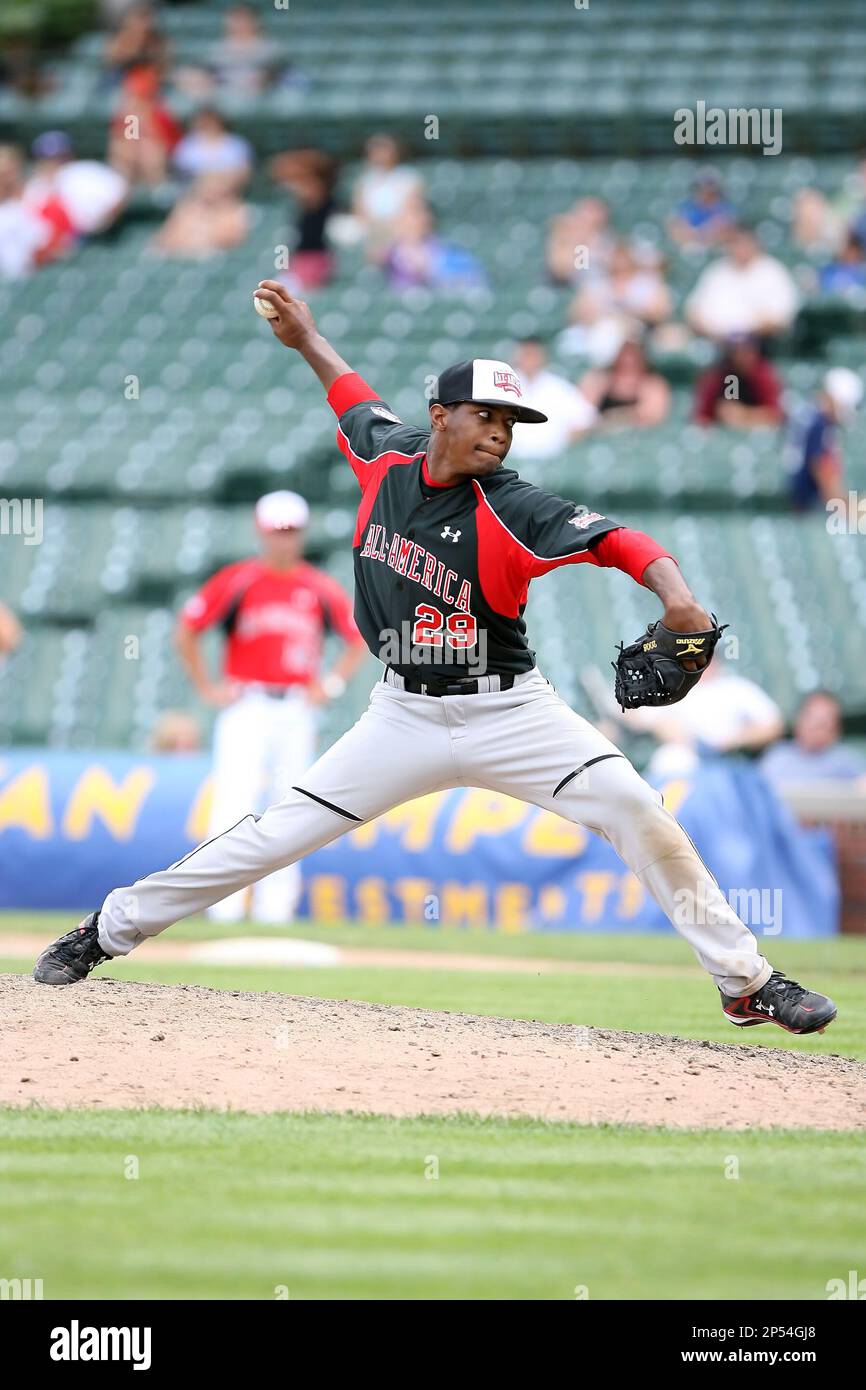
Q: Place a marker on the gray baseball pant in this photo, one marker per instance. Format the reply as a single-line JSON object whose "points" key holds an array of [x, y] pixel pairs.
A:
{"points": [[525, 742]]}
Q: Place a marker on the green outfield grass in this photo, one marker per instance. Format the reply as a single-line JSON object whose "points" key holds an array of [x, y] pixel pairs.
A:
{"points": [[843, 953], [234, 1206]]}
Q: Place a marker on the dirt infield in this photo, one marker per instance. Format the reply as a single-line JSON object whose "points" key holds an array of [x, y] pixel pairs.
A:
{"points": [[109, 1043]]}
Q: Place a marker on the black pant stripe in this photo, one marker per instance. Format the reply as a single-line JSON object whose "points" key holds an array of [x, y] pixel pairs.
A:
{"points": [[212, 840], [330, 805], [578, 770]]}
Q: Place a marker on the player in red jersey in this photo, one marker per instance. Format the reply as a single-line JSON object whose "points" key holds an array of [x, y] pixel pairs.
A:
{"points": [[275, 610]]}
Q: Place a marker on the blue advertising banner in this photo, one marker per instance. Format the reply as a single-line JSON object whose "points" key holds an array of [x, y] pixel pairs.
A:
{"points": [[74, 825]]}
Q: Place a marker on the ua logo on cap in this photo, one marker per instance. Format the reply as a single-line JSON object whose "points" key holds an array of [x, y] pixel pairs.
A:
{"points": [[507, 381]]}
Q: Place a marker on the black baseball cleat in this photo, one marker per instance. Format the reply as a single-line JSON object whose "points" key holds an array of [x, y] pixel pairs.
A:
{"points": [[784, 1002], [71, 957]]}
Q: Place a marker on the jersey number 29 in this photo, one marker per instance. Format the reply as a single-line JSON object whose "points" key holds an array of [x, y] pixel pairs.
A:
{"points": [[460, 628]]}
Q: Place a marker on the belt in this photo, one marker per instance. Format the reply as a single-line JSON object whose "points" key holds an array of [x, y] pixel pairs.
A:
{"points": [[273, 692], [481, 685]]}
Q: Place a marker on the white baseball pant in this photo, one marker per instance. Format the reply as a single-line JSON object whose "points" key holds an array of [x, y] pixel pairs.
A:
{"points": [[261, 746], [525, 742]]}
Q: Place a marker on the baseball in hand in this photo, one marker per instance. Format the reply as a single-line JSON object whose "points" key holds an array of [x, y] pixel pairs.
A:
{"points": [[262, 307]]}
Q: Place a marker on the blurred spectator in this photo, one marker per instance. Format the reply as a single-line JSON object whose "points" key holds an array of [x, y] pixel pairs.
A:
{"points": [[43, 199], [611, 304], [143, 132], [815, 753], [746, 291], [112, 12], [569, 413], [10, 631], [627, 394], [741, 390], [383, 191], [208, 219], [847, 271], [812, 226], [175, 731], [819, 222], [245, 60], [209, 147], [417, 256], [311, 176], [21, 62], [705, 217], [24, 234], [812, 455], [84, 196], [723, 713], [137, 42], [579, 240]]}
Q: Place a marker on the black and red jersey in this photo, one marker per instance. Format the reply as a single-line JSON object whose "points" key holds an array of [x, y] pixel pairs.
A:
{"points": [[442, 573]]}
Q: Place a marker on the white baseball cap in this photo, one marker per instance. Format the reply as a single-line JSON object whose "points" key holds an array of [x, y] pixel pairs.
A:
{"points": [[281, 511], [845, 390], [485, 382]]}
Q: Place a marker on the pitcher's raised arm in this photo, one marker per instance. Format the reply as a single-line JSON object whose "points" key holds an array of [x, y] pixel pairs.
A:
{"points": [[294, 325]]}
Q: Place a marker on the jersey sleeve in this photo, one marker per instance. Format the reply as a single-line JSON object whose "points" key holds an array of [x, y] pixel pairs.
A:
{"points": [[368, 431], [629, 551], [524, 532], [215, 598], [549, 530]]}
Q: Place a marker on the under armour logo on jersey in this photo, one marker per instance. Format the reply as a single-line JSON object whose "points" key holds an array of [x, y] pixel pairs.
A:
{"points": [[449, 535]]}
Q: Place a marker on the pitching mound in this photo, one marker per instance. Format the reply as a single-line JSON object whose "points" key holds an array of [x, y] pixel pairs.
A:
{"points": [[108, 1043]]}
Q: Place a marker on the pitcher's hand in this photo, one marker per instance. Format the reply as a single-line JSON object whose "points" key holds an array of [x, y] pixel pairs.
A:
{"points": [[688, 618], [293, 322]]}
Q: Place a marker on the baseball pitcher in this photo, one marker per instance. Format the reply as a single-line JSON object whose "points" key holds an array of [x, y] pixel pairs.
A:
{"points": [[446, 545]]}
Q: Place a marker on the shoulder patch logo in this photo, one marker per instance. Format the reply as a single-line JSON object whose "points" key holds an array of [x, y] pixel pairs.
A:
{"points": [[386, 414], [584, 519]]}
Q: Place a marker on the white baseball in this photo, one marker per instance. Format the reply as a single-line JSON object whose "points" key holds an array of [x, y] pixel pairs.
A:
{"points": [[267, 311]]}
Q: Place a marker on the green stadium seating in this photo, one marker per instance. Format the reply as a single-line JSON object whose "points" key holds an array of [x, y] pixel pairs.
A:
{"points": [[599, 81]]}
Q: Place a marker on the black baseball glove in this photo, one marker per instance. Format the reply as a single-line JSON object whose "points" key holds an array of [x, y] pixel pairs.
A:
{"points": [[662, 666]]}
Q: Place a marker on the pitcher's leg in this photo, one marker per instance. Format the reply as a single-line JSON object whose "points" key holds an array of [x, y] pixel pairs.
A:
{"points": [[629, 813], [557, 760], [391, 755]]}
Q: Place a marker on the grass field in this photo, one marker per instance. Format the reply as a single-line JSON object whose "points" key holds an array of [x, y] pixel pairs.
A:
{"points": [[326, 1206], [340, 1207]]}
